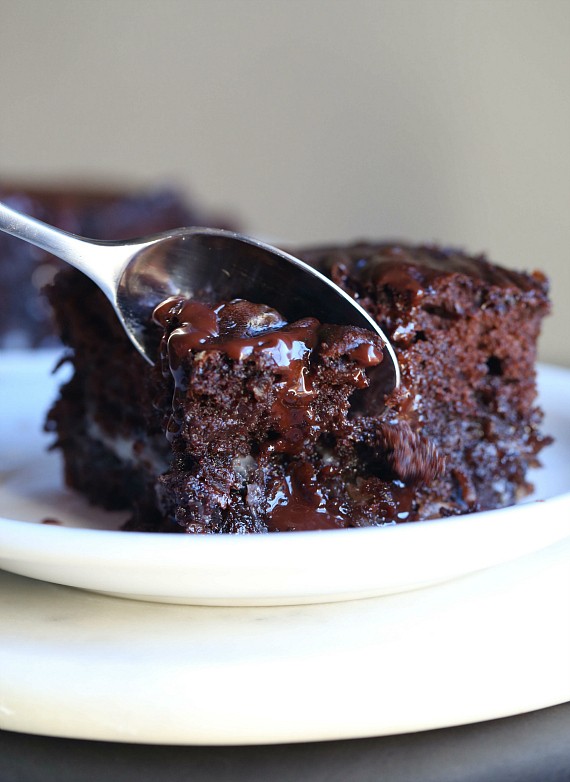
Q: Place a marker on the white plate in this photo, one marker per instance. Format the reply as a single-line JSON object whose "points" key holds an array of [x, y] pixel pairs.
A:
{"points": [[89, 553], [77, 664]]}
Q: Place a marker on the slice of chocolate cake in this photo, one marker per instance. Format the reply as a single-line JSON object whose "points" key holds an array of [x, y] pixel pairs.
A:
{"points": [[251, 424]]}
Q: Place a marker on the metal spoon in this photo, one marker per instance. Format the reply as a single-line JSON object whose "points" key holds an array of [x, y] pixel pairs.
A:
{"points": [[139, 274]]}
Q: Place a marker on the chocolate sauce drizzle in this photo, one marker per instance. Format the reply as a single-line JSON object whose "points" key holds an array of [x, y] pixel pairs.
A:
{"points": [[242, 330]]}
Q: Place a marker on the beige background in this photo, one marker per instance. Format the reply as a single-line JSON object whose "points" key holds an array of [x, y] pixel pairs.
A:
{"points": [[315, 120]]}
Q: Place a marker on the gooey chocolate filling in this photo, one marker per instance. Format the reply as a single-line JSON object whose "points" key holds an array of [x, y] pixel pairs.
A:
{"points": [[314, 368]]}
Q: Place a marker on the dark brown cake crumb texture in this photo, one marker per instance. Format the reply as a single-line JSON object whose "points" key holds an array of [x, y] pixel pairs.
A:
{"points": [[264, 429]]}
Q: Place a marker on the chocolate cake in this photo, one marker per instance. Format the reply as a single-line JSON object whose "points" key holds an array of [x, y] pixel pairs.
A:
{"points": [[25, 317], [465, 332], [248, 423]]}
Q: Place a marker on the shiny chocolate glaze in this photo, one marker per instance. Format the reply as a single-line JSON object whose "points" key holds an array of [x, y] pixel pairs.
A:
{"points": [[241, 330], [295, 355], [414, 272]]}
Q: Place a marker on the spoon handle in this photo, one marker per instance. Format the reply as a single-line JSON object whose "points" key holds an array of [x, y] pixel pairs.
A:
{"points": [[103, 262]]}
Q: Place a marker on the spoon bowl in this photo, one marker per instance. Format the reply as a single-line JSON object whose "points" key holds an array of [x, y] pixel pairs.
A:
{"points": [[139, 274]]}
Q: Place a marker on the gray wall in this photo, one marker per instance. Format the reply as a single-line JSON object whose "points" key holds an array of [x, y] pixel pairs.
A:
{"points": [[317, 120]]}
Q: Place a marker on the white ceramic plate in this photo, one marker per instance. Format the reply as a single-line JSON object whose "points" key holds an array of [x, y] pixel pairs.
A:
{"points": [[88, 552], [77, 664]]}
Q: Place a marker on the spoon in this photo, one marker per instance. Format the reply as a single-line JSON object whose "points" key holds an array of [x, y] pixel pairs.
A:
{"points": [[139, 274]]}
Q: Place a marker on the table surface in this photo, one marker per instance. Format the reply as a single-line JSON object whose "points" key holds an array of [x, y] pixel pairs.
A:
{"points": [[533, 747]]}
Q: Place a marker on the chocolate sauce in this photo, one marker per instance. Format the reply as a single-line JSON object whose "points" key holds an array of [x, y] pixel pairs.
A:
{"points": [[296, 355], [414, 271], [240, 330], [300, 504], [199, 326]]}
